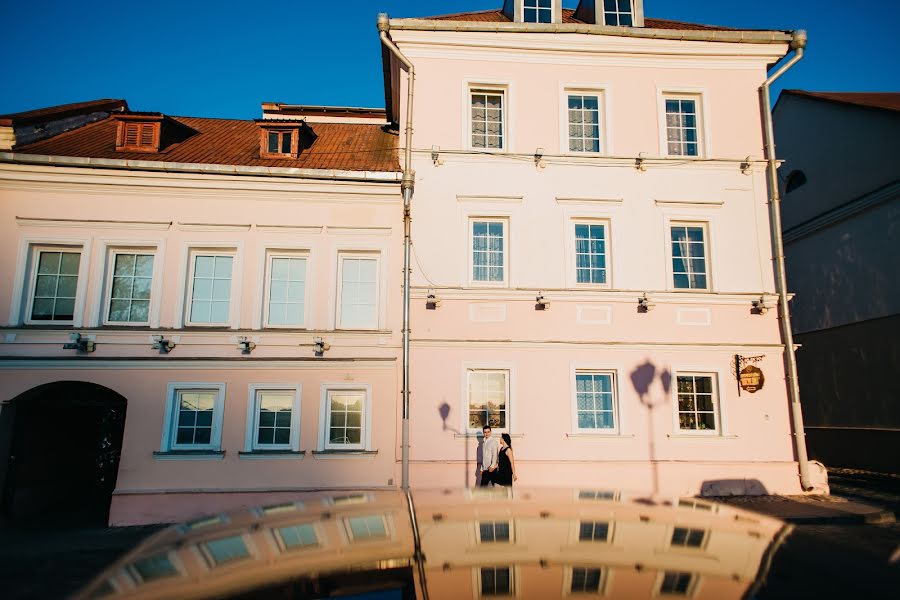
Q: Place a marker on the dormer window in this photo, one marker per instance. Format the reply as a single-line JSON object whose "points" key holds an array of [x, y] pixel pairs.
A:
{"points": [[538, 11], [284, 139], [138, 133], [618, 13]]}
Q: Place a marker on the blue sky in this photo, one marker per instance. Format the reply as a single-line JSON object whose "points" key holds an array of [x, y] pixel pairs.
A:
{"points": [[223, 58]]}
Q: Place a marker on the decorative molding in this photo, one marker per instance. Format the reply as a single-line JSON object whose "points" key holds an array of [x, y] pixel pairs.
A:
{"points": [[272, 455], [93, 223], [487, 313], [574, 200], [690, 203], [294, 229], [490, 198], [569, 345], [213, 227], [190, 455], [693, 316], [342, 230], [11, 363], [594, 315], [606, 295]]}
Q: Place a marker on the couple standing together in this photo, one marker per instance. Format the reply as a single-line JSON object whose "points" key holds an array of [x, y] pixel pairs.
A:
{"points": [[498, 467]]}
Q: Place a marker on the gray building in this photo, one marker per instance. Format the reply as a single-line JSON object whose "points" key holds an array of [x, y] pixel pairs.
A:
{"points": [[841, 189]]}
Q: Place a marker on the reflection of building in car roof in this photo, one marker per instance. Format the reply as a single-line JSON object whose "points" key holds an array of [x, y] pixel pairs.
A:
{"points": [[437, 544]]}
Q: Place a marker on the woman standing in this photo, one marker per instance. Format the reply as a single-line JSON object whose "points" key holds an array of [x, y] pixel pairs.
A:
{"points": [[506, 471]]}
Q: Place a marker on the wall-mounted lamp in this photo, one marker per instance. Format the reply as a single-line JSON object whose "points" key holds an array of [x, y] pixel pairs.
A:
{"points": [[432, 302], [320, 346], [79, 343], [246, 345], [541, 303], [162, 344], [746, 166], [761, 306], [645, 304], [436, 156], [539, 158], [640, 163]]}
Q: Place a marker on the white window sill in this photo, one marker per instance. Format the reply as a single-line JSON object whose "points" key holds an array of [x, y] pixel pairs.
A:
{"points": [[701, 436], [272, 455], [343, 454], [599, 435], [190, 455]]}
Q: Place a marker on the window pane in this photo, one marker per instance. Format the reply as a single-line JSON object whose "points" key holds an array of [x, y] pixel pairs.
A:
{"points": [[227, 549], [286, 143], [345, 417], [154, 567], [212, 288], [298, 536], [195, 417], [359, 293], [273, 142], [274, 416]]}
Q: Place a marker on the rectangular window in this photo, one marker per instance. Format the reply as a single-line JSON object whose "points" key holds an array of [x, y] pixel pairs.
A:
{"points": [[684, 537], [225, 550], [617, 13], [279, 142], [595, 401], [584, 123], [586, 580], [682, 126], [372, 527], [131, 280], [210, 289], [275, 418], [297, 536], [496, 581], [488, 397], [286, 291], [676, 583], [358, 308], [153, 568], [538, 11], [346, 419], [488, 250], [55, 285], [593, 531], [689, 258], [597, 495], [487, 119], [696, 403], [590, 253], [194, 417], [493, 531]]}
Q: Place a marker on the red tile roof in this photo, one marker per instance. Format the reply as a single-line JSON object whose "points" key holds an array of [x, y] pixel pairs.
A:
{"points": [[62, 111], [339, 146], [497, 16], [882, 100]]}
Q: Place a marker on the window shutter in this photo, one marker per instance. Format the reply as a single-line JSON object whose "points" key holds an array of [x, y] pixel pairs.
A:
{"points": [[147, 135], [132, 134]]}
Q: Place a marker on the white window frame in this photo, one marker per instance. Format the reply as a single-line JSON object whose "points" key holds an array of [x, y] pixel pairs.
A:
{"points": [[552, 10], [707, 242], [470, 248], [386, 520], [272, 254], [513, 580], [585, 89], [283, 547], [34, 254], [607, 231], [684, 547], [468, 370], [576, 530], [366, 255], [570, 576], [250, 438], [325, 418], [206, 553], [693, 586], [715, 376], [503, 88], [510, 523], [170, 424], [234, 296], [699, 95], [614, 375], [111, 253], [135, 577], [618, 13]]}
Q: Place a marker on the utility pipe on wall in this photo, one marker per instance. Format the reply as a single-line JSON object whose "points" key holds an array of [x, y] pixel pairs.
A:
{"points": [[798, 44], [407, 187]]}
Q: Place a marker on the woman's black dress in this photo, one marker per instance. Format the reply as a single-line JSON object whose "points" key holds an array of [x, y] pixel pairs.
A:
{"points": [[504, 475]]}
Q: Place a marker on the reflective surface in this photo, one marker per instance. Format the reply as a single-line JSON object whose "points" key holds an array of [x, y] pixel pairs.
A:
{"points": [[482, 543]]}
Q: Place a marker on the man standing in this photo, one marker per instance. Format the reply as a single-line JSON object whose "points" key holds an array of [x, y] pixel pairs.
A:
{"points": [[490, 454]]}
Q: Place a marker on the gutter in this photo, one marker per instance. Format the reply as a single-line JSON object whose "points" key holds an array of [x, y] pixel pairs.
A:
{"points": [[798, 44], [691, 35], [407, 188], [201, 168]]}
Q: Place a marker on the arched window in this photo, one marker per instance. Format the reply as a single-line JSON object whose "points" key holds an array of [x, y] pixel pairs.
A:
{"points": [[794, 180]]}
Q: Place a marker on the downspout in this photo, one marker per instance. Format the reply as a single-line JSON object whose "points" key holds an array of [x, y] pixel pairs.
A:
{"points": [[798, 43], [407, 187]]}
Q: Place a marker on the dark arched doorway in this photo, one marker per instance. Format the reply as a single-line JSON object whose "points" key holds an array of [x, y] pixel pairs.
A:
{"points": [[64, 455]]}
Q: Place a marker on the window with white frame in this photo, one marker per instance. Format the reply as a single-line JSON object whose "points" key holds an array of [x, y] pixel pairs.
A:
{"points": [[275, 418], [358, 293], [295, 537], [682, 125], [697, 402], [689, 256], [675, 583], [595, 401], [152, 568], [496, 581], [586, 580], [285, 290], [129, 287], [584, 114], [487, 118], [591, 253], [538, 11], [54, 285], [593, 531], [368, 527], [493, 531], [225, 550], [210, 293], [618, 13], [194, 417], [346, 419], [488, 392], [686, 537], [489, 250]]}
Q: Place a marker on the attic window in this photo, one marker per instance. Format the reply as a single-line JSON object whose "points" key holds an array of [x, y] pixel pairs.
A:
{"points": [[284, 139], [138, 135], [280, 143], [618, 13], [538, 11]]}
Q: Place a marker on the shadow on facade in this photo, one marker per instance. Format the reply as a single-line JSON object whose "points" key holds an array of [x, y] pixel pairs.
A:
{"points": [[642, 379], [60, 445], [444, 412]]}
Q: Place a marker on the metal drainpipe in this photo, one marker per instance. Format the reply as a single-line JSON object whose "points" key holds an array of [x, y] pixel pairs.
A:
{"points": [[798, 43], [407, 187]]}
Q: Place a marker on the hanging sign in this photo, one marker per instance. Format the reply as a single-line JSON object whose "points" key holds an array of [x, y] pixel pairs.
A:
{"points": [[752, 379]]}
